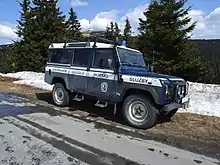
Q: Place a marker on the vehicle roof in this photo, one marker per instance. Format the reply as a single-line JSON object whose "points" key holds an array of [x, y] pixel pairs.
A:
{"points": [[89, 45]]}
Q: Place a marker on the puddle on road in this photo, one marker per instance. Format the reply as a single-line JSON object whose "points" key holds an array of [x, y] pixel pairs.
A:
{"points": [[13, 105], [9, 99], [17, 104]]}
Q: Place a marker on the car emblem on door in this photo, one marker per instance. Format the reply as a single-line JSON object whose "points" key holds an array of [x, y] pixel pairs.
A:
{"points": [[104, 86]]}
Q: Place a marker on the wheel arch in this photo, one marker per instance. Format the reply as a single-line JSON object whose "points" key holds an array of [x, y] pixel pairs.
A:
{"points": [[59, 80], [151, 94]]}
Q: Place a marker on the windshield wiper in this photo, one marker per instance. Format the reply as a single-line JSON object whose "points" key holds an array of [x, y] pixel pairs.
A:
{"points": [[132, 64]]}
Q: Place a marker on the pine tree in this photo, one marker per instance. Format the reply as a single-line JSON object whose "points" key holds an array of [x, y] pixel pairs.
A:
{"points": [[73, 26], [127, 32], [22, 56], [49, 26], [109, 32], [25, 20], [116, 31], [164, 32]]}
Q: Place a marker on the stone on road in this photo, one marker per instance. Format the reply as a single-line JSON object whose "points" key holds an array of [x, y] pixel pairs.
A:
{"points": [[31, 134]]}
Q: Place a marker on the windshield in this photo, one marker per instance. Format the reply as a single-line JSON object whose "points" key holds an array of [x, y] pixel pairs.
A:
{"points": [[129, 57]]}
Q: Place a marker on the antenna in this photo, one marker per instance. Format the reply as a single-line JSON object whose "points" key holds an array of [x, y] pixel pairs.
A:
{"points": [[90, 25]]}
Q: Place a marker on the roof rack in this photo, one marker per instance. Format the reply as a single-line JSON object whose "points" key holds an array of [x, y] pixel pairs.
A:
{"points": [[75, 43], [97, 38], [93, 38]]}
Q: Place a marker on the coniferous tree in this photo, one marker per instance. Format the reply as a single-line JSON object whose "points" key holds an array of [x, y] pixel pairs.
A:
{"points": [[164, 32], [24, 23], [49, 25], [109, 32], [127, 32], [73, 26], [117, 31], [22, 56]]}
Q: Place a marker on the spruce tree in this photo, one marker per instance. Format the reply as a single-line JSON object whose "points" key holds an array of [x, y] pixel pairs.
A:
{"points": [[127, 32], [109, 32], [117, 31], [24, 23], [73, 27], [164, 32], [49, 25], [22, 56]]}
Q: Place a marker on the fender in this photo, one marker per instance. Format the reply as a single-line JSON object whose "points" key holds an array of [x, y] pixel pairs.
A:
{"points": [[153, 92]]}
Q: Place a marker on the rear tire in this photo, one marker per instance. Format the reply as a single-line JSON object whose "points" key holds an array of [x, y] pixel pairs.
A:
{"points": [[139, 112], [61, 96]]}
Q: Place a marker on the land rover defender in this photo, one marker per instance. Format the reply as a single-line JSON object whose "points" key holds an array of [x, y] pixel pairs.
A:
{"points": [[112, 73]]}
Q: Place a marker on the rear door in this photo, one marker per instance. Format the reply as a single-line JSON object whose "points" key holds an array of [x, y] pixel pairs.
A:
{"points": [[79, 69], [58, 65]]}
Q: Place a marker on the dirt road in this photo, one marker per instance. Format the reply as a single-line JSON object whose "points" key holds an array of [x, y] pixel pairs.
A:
{"points": [[194, 133], [33, 134]]}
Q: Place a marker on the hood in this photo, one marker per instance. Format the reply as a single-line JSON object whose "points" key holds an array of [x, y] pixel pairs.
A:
{"points": [[138, 71]]}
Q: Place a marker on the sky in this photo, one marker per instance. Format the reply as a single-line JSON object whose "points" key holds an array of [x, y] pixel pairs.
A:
{"points": [[100, 12]]}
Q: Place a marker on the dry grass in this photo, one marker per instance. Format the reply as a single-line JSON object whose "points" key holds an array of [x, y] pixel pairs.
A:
{"points": [[193, 126], [6, 85]]}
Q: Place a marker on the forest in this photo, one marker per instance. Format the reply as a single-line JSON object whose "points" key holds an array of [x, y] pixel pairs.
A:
{"points": [[162, 39]]}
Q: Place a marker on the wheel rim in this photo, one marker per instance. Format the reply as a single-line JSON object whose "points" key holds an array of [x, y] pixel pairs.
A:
{"points": [[59, 95], [138, 111]]}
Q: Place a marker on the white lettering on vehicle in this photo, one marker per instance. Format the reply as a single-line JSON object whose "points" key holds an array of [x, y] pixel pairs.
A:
{"points": [[77, 72], [100, 75], [138, 79], [59, 70]]}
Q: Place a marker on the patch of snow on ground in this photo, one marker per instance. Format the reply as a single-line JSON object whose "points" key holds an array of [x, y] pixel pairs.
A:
{"points": [[204, 98], [30, 78]]}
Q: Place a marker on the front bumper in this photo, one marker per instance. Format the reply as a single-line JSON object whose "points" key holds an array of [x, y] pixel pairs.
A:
{"points": [[184, 103]]}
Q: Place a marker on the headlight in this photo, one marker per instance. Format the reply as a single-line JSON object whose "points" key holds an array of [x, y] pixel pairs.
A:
{"points": [[167, 90]]}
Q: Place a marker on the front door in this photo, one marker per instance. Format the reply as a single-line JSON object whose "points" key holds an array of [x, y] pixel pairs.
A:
{"points": [[102, 79]]}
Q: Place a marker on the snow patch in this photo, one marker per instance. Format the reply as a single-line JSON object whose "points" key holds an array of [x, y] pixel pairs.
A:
{"points": [[204, 98], [29, 78]]}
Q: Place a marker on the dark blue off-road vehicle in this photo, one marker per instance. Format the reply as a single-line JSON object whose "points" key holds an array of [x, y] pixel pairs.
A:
{"points": [[113, 74]]}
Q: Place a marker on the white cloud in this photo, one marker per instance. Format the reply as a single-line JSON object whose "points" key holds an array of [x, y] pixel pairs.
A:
{"points": [[77, 3], [7, 31], [102, 19], [207, 26]]}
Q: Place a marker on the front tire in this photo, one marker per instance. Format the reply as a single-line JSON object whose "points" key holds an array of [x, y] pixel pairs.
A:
{"points": [[139, 112], [61, 96]]}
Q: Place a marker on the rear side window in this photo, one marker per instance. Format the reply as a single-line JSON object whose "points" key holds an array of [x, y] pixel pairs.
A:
{"points": [[82, 56], [60, 56]]}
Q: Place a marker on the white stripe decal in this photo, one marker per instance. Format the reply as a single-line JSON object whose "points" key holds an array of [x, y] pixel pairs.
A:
{"points": [[107, 76], [102, 70]]}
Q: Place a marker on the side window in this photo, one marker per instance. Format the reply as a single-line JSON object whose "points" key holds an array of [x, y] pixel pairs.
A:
{"points": [[55, 55], [60, 56], [66, 56], [104, 59], [81, 57]]}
